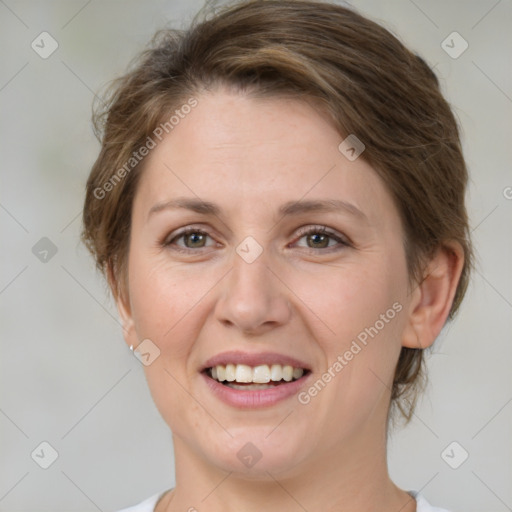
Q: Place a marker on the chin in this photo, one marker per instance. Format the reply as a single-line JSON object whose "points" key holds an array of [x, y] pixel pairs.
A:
{"points": [[253, 453]]}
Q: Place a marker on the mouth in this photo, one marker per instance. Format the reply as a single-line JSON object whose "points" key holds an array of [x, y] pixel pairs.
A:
{"points": [[245, 380], [260, 377]]}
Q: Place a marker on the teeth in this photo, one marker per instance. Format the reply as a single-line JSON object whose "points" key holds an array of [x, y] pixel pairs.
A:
{"points": [[221, 373], [276, 372], [287, 373], [243, 373], [230, 372], [297, 373], [261, 374]]}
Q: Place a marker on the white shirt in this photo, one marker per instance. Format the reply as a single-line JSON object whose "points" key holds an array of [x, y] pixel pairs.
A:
{"points": [[149, 504]]}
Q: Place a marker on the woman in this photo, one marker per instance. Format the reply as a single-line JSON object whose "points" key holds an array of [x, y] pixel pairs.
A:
{"points": [[278, 207]]}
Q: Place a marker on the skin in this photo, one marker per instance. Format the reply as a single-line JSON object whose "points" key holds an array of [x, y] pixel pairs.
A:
{"points": [[304, 296]]}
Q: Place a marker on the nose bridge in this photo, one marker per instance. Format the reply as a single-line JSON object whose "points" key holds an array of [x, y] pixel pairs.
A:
{"points": [[251, 266], [253, 298]]}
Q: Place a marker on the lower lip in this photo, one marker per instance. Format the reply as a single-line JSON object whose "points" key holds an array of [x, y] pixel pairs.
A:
{"points": [[252, 399]]}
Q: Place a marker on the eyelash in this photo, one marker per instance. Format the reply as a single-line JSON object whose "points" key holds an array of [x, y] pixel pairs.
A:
{"points": [[322, 230]]}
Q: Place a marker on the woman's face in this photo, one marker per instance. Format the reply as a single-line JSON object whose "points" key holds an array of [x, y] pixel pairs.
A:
{"points": [[250, 285]]}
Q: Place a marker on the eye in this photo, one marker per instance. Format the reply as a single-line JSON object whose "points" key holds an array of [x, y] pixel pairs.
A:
{"points": [[319, 237], [193, 238]]}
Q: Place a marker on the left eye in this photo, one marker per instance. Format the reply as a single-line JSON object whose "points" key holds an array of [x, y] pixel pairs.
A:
{"points": [[319, 236]]}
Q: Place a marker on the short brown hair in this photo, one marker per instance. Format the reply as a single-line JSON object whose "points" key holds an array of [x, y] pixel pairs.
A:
{"points": [[354, 70]]}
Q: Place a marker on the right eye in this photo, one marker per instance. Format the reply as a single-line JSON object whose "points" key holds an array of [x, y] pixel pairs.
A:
{"points": [[193, 236]]}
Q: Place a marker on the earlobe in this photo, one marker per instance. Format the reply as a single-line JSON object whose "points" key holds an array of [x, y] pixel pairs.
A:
{"points": [[124, 309], [433, 297], [122, 301]]}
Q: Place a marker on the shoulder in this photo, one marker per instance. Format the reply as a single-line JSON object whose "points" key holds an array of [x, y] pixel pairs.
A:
{"points": [[422, 505], [148, 505]]}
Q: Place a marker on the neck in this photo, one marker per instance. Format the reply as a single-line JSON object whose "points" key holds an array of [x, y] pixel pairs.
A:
{"points": [[350, 476]]}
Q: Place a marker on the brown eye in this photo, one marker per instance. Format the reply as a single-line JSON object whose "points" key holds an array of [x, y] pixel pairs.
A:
{"points": [[318, 240], [319, 237], [193, 238]]}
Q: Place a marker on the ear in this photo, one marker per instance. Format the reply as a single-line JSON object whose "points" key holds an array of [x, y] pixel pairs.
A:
{"points": [[433, 297], [121, 297]]}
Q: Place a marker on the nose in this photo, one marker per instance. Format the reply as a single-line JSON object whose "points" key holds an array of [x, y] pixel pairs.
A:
{"points": [[253, 298]]}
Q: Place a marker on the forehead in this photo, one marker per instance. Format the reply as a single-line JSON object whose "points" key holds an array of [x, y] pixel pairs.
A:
{"points": [[248, 152]]}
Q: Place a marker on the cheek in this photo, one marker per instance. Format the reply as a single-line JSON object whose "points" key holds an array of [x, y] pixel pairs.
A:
{"points": [[163, 295], [346, 300], [356, 316], [166, 304]]}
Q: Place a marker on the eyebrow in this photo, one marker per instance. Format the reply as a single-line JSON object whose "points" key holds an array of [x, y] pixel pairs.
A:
{"points": [[287, 209]]}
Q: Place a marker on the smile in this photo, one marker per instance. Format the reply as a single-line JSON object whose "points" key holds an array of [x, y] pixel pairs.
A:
{"points": [[245, 377], [253, 380]]}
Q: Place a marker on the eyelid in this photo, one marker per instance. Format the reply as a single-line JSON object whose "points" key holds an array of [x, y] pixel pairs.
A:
{"points": [[314, 228], [167, 242], [317, 228]]}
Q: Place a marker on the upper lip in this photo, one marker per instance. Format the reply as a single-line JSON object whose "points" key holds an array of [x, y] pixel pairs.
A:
{"points": [[253, 359]]}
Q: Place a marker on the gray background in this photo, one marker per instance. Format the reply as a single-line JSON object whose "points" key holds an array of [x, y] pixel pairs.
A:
{"points": [[67, 377]]}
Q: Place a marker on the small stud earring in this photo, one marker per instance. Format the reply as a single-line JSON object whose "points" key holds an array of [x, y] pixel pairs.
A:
{"points": [[131, 348]]}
